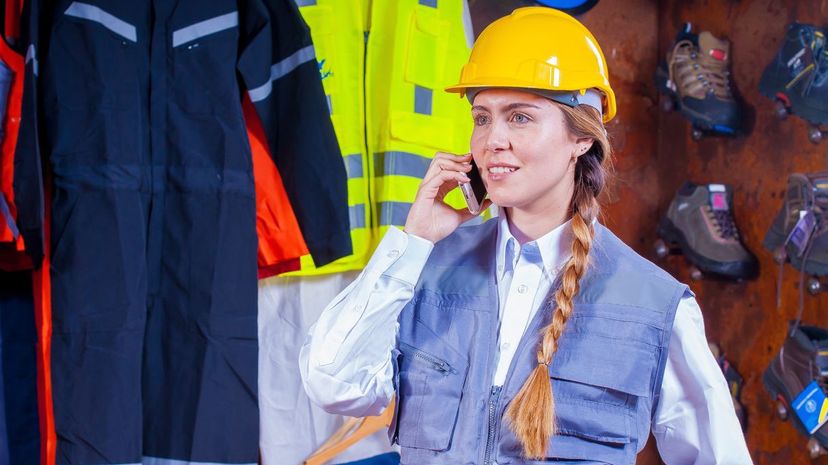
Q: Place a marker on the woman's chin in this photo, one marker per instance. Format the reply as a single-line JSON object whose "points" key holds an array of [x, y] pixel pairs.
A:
{"points": [[502, 201]]}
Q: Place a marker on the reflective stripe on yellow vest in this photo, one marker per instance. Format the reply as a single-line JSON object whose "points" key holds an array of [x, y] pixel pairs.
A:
{"points": [[384, 65]]}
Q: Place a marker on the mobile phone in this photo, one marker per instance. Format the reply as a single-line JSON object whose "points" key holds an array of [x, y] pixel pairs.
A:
{"points": [[475, 191]]}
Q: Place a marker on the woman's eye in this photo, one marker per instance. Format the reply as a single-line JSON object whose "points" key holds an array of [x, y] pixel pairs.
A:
{"points": [[481, 120], [520, 118]]}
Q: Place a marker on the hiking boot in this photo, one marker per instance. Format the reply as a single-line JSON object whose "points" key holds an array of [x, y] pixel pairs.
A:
{"points": [[696, 76], [734, 383], [803, 358], [700, 222], [805, 192], [797, 77]]}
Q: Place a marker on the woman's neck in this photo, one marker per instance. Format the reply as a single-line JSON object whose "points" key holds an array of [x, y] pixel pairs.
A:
{"points": [[528, 226]]}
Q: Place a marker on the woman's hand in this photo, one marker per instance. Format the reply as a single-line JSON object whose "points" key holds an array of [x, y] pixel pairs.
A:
{"points": [[430, 217]]}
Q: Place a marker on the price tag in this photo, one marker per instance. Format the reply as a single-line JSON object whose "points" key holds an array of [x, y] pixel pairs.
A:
{"points": [[801, 233], [811, 406]]}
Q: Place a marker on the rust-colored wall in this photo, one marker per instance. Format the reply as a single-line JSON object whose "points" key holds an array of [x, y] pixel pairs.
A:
{"points": [[656, 154], [743, 318]]}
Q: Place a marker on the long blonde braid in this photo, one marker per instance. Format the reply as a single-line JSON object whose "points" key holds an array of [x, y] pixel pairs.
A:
{"points": [[531, 413]]}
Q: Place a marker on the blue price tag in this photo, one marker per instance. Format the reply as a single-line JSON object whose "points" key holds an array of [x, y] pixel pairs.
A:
{"points": [[812, 407]]}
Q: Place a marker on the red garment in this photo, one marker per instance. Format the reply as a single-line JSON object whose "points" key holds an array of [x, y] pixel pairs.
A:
{"points": [[12, 26], [42, 286]]}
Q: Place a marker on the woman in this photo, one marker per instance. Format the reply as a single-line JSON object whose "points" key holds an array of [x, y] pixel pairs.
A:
{"points": [[538, 337]]}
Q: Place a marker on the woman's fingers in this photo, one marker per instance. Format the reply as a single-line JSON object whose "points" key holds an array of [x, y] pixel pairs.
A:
{"points": [[447, 162], [442, 183]]}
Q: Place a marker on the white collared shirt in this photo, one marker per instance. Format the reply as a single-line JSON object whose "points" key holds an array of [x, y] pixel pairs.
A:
{"points": [[346, 359], [525, 274]]}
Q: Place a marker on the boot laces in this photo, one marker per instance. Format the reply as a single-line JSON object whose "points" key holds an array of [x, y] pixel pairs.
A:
{"points": [[723, 223], [816, 44], [712, 73]]}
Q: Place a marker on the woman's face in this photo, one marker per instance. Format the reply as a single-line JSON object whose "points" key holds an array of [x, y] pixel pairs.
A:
{"points": [[524, 151]]}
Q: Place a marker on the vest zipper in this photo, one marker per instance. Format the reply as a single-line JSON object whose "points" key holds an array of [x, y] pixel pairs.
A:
{"points": [[494, 396], [436, 363]]}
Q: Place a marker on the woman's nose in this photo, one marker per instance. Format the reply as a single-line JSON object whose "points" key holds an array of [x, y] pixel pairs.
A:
{"points": [[497, 138]]}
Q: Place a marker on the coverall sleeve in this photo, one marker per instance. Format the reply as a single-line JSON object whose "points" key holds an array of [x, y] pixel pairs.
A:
{"points": [[278, 69], [28, 170], [695, 423], [346, 360]]}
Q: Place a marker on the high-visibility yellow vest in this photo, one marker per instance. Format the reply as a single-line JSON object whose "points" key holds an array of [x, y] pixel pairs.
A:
{"points": [[384, 65]]}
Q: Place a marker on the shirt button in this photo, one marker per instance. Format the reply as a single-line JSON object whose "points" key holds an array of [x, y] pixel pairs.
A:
{"points": [[523, 288], [394, 253], [505, 346]]}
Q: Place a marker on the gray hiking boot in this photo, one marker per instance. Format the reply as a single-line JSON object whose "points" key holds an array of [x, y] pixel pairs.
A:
{"points": [[805, 192], [803, 358], [700, 222]]}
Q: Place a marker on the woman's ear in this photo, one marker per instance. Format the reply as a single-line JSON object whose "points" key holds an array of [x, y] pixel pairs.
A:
{"points": [[582, 146]]}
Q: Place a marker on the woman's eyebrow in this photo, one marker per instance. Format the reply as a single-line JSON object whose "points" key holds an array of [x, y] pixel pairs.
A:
{"points": [[516, 105], [508, 107]]}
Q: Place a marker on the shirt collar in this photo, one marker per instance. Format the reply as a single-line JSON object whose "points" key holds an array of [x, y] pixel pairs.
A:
{"points": [[555, 247]]}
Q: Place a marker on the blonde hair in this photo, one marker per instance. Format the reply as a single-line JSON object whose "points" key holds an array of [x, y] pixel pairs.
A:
{"points": [[531, 413]]}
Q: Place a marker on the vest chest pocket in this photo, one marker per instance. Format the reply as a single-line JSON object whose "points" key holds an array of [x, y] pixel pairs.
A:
{"points": [[429, 391], [598, 385]]}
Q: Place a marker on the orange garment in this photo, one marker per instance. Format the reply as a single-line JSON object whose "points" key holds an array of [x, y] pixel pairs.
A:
{"points": [[11, 125], [280, 239]]}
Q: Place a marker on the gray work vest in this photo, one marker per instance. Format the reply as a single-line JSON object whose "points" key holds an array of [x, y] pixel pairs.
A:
{"points": [[606, 375]]}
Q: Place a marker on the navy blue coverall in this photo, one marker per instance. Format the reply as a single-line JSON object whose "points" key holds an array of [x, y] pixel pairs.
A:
{"points": [[136, 113]]}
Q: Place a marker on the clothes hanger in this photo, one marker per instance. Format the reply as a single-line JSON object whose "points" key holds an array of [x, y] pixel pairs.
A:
{"points": [[350, 433]]}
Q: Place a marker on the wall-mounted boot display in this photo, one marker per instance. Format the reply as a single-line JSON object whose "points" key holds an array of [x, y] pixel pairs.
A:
{"points": [[699, 224], [804, 209], [797, 77], [696, 81], [803, 358]]}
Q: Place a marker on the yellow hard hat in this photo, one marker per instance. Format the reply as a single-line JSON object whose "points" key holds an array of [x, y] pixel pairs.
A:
{"points": [[542, 49]]}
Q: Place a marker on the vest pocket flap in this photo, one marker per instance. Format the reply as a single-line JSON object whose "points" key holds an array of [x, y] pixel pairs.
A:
{"points": [[609, 364], [606, 437], [431, 132]]}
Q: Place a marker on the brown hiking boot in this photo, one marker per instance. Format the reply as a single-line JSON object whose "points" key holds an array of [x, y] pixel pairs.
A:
{"points": [[700, 222], [806, 192], [697, 77], [803, 358]]}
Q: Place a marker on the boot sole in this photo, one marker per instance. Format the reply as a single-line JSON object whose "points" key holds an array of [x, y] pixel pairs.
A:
{"points": [[730, 270]]}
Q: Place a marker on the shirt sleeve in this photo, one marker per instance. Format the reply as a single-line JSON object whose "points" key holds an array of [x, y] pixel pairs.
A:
{"points": [[695, 422], [278, 69], [345, 361]]}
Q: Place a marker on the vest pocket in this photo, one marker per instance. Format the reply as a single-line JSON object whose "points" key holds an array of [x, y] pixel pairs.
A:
{"points": [[429, 391], [598, 386]]}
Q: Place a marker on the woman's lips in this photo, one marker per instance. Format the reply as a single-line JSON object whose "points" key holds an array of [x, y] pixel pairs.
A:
{"points": [[500, 172]]}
